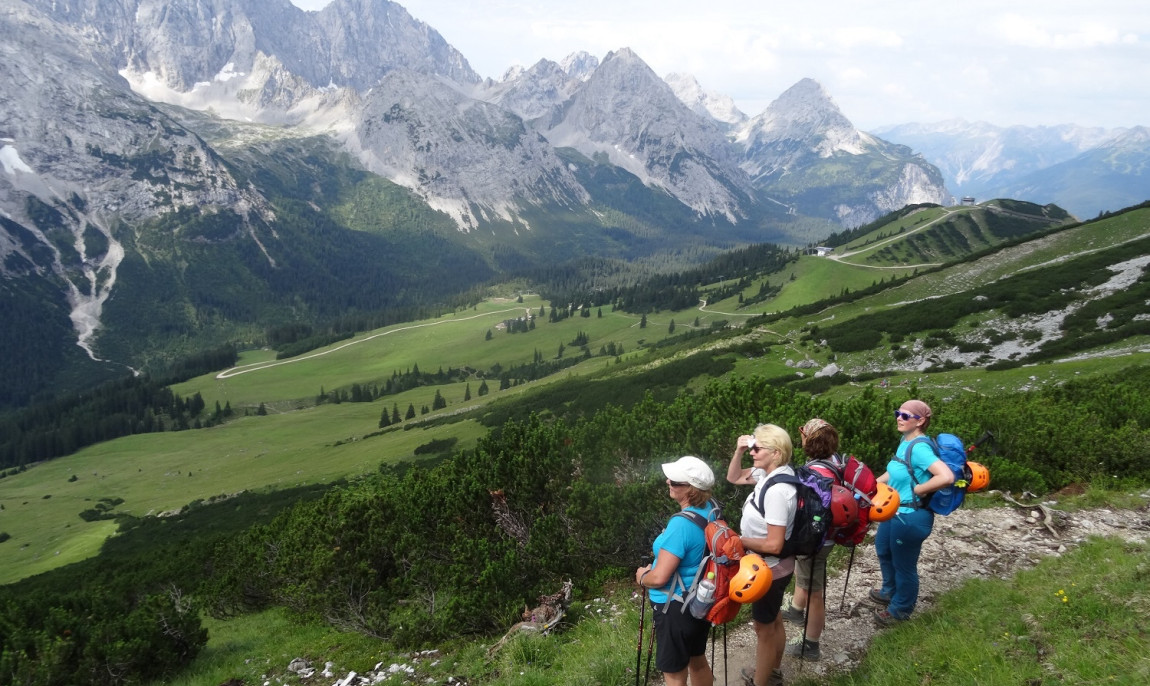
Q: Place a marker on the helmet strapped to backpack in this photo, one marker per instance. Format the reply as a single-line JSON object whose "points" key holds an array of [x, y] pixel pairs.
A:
{"points": [[884, 504], [752, 581], [855, 476], [951, 450], [979, 477], [844, 508]]}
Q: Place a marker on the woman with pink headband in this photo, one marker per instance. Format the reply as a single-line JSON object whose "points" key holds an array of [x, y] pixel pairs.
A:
{"points": [[898, 542]]}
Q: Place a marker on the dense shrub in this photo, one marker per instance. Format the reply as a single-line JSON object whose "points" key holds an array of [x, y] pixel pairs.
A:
{"points": [[541, 500]]}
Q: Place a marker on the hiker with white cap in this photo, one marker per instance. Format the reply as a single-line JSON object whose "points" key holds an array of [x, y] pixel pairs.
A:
{"points": [[679, 551]]}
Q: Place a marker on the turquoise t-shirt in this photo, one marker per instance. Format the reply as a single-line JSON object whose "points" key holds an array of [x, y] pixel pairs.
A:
{"points": [[921, 459], [686, 541]]}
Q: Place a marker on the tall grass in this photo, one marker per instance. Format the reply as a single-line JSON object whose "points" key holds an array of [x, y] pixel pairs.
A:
{"points": [[1081, 618], [1077, 619]]}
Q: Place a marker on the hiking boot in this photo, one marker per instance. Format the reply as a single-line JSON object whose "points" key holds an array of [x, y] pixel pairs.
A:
{"points": [[748, 674], [809, 651], [793, 614], [884, 618], [876, 596]]}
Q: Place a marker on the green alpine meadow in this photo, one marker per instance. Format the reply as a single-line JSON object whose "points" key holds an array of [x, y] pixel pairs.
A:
{"points": [[416, 486]]}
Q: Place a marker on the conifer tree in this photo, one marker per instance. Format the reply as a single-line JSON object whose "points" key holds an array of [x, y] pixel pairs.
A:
{"points": [[410, 411]]}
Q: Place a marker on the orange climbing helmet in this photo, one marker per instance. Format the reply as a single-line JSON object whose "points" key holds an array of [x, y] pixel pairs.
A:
{"points": [[979, 477], [844, 509], [752, 581], [884, 504]]}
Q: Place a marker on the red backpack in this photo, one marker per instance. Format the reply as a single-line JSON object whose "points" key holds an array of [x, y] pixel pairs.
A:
{"points": [[860, 481], [724, 550]]}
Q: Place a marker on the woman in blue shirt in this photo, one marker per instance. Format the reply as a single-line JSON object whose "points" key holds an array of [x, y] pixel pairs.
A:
{"points": [[678, 551], [898, 542]]}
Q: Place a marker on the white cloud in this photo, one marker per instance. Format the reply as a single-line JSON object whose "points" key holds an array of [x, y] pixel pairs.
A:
{"points": [[1030, 32]]}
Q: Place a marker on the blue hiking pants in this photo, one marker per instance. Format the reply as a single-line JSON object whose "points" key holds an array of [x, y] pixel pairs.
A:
{"points": [[898, 544]]}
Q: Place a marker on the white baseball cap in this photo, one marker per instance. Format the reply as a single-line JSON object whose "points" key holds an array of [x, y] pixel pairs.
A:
{"points": [[690, 470]]}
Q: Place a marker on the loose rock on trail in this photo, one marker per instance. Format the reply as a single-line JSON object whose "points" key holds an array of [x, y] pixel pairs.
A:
{"points": [[984, 543]]}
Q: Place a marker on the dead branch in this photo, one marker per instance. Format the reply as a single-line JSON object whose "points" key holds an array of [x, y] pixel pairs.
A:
{"points": [[1047, 513], [543, 618]]}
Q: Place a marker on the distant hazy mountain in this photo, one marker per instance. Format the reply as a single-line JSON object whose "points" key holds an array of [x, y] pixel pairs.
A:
{"points": [[531, 93], [580, 65], [982, 160], [1108, 177], [803, 152], [720, 107]]}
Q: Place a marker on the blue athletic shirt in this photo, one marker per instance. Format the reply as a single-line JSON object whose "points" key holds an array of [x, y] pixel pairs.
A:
{"points": [[921, 459], [686, 541]]}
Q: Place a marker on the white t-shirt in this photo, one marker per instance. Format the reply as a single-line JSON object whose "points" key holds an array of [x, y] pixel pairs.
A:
{"points": [[778, 508]]}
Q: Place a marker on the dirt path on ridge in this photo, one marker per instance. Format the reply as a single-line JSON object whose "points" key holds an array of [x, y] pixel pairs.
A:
{"points": [[987, 543]]}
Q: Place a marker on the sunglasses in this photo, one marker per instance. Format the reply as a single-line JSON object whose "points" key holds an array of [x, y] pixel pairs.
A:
{"points": [[676, 484], [904, 416]]}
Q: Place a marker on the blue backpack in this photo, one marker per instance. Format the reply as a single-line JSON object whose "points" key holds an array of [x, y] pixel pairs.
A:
{"points": [[951, 450]]}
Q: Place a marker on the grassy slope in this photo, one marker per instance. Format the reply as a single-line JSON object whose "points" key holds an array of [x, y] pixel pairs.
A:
{"points": [[301, 443]]}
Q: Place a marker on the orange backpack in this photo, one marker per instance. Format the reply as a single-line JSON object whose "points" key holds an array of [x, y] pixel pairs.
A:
{"points": [[724, 550]]}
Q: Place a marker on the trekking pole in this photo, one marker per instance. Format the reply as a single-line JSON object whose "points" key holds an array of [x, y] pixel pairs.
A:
{"points": [[724, 655], [639, 648], [846, 582], [712, 632], [807, 610], [650, 648]]}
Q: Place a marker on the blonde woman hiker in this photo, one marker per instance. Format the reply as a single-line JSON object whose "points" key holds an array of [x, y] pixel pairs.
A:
{"points": [[763, 530]]}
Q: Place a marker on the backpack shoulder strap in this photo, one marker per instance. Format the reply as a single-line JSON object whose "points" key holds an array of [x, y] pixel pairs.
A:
{"points": [[694, 517], [761, 503], [830, 465], [906, 462], [714, 511]]}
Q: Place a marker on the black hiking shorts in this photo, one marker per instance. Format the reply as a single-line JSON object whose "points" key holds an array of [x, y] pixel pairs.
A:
{"points": [[679, 637]]}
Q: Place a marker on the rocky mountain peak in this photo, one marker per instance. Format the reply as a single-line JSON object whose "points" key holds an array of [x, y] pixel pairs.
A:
{"points": [[806, 112], [531, 93], [626, 112], [580, 65], [720, 107]]}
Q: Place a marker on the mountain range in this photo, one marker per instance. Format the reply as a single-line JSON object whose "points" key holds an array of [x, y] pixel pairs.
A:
{"points": [[256, 165], [1086, 170]]}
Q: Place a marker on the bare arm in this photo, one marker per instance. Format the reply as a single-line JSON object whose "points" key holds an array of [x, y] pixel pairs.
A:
{"points": [[736, 473], [660, 574], [771, 545], [940, 477]]}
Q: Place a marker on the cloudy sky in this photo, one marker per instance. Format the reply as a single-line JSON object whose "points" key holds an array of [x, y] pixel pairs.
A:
{"points": [[1031, 62]]}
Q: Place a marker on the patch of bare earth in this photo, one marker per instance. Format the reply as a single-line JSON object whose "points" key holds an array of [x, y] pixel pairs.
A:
{"points": [[984, 543]]}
